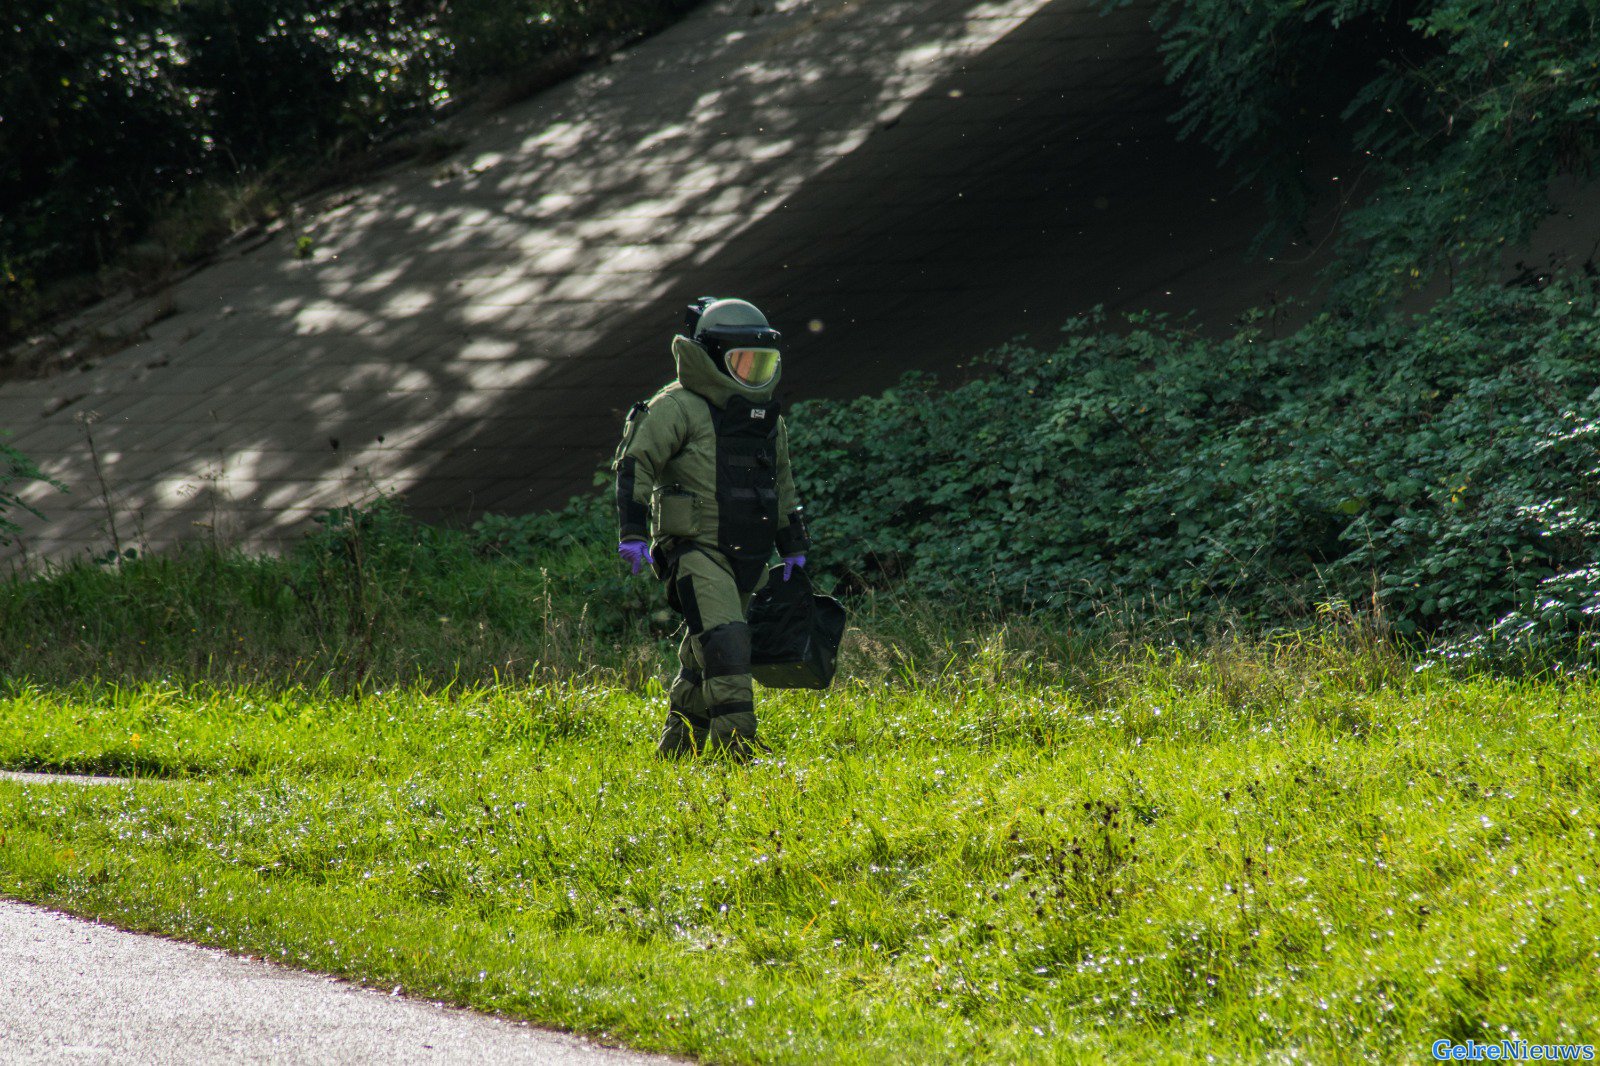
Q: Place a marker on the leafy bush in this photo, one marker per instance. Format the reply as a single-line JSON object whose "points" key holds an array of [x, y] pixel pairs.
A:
{"points": [[583, 524], [1439, 468], [14, 467], [496, 37], [1559, 626], [1459, 112]]}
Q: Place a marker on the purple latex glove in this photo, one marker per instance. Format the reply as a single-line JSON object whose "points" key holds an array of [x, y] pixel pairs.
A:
{"points": [[636, 552], [791, 563]]}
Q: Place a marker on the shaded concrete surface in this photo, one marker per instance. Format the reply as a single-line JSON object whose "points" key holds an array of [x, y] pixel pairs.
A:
{"points": [[77, 991], [898, 183]]}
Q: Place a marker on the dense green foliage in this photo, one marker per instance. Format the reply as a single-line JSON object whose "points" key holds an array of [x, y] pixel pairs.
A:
{"points": [[1440, 474], [1448, 117], [1443, 470], [1309, 851], [110, 110]]}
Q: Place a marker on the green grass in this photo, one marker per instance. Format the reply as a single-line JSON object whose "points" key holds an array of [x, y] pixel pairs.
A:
{"points": [[997, 845], [351, 608]]}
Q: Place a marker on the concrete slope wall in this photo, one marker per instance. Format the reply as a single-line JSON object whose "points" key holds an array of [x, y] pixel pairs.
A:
{"points": [[898, 184]]}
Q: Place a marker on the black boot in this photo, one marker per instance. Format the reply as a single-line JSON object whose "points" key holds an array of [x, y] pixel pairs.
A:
{"points": [[734, 735], [682, 736]]}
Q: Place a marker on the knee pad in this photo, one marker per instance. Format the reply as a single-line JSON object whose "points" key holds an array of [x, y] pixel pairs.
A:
{"points": [[725, 650]]}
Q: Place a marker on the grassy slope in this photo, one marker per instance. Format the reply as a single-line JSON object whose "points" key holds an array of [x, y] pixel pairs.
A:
{"points": [[1306, 850]]}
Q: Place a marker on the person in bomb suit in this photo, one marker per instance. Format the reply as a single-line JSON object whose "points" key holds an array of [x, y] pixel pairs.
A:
{"points": [[705, 494]]}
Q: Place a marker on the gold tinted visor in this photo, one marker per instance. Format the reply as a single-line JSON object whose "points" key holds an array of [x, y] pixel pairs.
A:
{"points": [[753, 367]]}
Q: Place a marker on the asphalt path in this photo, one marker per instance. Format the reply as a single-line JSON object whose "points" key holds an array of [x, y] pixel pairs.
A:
{"points": [[73, 991], [28, 778]]}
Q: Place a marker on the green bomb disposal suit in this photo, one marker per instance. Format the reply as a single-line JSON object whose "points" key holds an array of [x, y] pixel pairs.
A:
{"points": [[703, 472]]}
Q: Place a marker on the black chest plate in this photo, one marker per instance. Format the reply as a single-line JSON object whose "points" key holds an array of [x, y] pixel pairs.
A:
{"points": [[747, 481]]}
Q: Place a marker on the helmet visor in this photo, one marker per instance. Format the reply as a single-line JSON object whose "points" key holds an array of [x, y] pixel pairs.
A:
{"points": [[752, 367]]}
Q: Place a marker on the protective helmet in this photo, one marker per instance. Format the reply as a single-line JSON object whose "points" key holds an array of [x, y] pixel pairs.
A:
{"points": [[737, 337]]}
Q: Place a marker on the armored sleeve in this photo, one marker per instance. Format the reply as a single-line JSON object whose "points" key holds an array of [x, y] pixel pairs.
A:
{"points": [[792, 538], [652, 435]]}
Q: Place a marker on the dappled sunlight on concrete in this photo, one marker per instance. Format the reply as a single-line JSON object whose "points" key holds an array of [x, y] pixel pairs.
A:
{"points": [[917, 182]]}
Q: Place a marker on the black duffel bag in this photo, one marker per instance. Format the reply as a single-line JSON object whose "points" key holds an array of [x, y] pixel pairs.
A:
{"points": [[794, 633]]}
